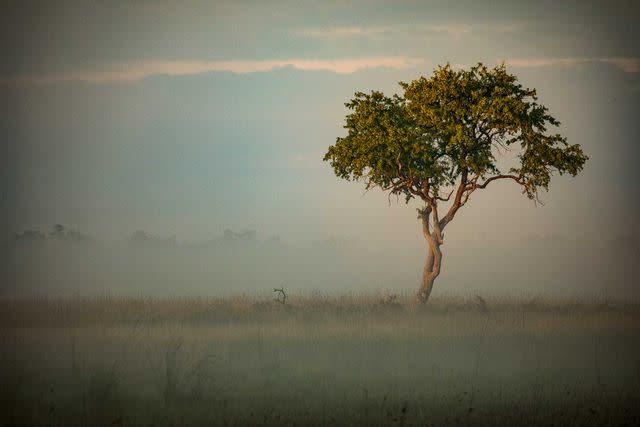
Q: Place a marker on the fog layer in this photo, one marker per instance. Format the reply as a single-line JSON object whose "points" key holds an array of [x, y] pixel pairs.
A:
{"points": [[70, 263]]}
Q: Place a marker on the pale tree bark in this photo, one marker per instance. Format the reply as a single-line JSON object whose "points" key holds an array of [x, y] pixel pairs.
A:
{"points": [[433, 263], [430, 272]]}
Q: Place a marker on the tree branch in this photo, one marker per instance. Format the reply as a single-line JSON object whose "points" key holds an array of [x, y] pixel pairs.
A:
{"points": [[493, 178], [445, 199], [457, 202], [473, 185], [437, 230]]}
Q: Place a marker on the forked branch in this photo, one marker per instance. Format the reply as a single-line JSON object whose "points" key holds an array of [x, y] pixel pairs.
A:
{"points": [[468, 186], [281, 297]]}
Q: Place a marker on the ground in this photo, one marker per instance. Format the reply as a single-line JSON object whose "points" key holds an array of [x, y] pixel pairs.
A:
{"points": [[346, 360]]}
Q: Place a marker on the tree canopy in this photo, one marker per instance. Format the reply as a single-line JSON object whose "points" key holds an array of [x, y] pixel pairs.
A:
{"points": [[450, 129], [444, 135]]}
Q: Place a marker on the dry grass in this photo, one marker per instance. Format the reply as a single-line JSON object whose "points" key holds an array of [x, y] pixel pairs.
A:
{"points": [[118, 310], [346, 360]]}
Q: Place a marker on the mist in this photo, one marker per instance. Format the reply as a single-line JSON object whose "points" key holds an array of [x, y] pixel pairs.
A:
{"points": [[67, 263], [137, 160]]}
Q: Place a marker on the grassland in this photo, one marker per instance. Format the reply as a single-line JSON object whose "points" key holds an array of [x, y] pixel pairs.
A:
{"points": [[347, 360]]}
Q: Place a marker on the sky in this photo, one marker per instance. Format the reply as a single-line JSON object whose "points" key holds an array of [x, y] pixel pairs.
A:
{"points": [[186, 118]]}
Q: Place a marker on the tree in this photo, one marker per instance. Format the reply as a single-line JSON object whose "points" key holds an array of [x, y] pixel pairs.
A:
{"points": [[57, 231], [440, 141]]}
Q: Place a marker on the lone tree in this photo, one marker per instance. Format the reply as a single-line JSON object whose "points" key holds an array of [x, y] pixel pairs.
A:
{"points": [[440, 142]]}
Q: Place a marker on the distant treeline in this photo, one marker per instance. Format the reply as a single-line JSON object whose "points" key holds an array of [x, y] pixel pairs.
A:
{"points": [[61, 233], [65, 261]]}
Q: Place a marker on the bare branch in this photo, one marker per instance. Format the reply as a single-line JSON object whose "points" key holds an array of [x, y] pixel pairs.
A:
{"points": [[467, 193], [447, 198], [457, 202], [282, 295], [493, 178]]}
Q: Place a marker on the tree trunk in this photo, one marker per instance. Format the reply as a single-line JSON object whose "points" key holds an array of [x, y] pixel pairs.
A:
{"points": [[432, 266], [430, 272]]}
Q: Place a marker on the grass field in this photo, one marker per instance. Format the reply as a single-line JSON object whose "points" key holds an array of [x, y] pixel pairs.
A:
{"points": [[347, 360]]}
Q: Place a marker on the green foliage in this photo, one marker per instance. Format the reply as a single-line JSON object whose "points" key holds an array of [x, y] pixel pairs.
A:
{"points": [[451, 128]]}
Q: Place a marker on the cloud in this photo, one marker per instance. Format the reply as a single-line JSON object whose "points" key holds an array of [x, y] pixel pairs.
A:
{"points": [[344, 32], [628, 65], [452, 30], [129, 72]]}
